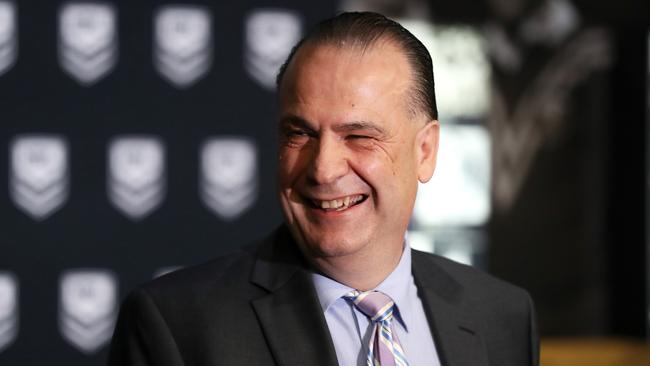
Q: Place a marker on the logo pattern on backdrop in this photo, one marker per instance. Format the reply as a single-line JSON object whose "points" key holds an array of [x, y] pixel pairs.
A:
{"points": [[270, 36], [136, 175], [8, 36], [228, 182], [38, 181], [87, 308], [182, 43], [8, 309], [39, 163], [88, 45]]}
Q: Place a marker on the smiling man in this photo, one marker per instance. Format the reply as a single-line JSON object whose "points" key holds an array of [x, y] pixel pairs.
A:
{"points": [[353, 148], [338, 283]]}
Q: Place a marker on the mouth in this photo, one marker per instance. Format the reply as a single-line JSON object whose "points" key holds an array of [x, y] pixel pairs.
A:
{"points": [[339, 204]]}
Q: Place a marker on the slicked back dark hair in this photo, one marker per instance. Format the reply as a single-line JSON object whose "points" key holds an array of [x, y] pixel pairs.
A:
{"points": [[364, 30]]}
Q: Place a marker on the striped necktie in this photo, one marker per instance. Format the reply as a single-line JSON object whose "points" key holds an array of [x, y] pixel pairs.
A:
{"points": [[384, 348]]}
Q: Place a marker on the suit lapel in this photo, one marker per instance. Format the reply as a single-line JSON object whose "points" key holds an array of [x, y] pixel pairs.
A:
{"points": [[451, 321], [291, 317]]}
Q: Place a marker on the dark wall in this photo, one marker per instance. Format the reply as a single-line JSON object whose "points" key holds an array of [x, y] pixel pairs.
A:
{"points": [[627, 250], [575, 235]]}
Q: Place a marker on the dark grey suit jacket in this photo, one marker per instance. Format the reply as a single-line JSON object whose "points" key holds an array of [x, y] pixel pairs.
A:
{"points": [[259, 307]]}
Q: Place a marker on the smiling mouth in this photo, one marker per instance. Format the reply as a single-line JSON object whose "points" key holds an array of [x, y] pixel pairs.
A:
{"points": [[338, 204]]}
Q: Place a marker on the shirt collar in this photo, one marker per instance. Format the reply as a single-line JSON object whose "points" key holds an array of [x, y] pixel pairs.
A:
{"points": [[396, 285]]}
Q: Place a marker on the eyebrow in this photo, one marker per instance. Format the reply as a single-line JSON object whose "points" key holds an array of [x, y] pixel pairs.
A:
{"points": [[339, 127], [359, 126], [295, 121]]}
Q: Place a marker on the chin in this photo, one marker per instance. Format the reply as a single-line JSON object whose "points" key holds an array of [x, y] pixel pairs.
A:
{"points": [[331, 247], [325, 240]]}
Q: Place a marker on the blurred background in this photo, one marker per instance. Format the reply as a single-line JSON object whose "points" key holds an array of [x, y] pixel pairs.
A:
{"points": [[137, 137]]}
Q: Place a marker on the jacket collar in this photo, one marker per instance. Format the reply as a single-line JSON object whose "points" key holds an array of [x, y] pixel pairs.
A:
{"points": [[450, 313], [290, 314]]}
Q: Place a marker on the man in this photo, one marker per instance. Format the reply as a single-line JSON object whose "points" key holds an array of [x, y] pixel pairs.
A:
{"points": [[338, 283]]}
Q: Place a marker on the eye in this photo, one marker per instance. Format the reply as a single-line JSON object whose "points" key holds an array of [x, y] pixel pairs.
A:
{"points": [[297, 133], [360, 141], [295, 136], [357, 137]]}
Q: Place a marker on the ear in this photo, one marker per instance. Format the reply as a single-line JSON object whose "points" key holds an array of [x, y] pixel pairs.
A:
{"points": [[426, 144]]}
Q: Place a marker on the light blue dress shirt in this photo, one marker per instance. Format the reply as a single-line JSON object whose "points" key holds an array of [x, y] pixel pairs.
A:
{"points": [[351, 329]]}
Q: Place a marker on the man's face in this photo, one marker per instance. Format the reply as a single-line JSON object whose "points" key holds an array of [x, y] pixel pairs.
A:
{"points": [[350, 153]]}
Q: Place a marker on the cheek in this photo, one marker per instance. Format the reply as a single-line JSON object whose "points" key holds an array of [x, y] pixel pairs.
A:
{"points": [[389, 173], [287, 174], [288, 166], [375, 168]]}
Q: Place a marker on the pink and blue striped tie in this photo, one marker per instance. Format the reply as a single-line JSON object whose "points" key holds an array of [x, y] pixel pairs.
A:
{"points": [[384, 348]]}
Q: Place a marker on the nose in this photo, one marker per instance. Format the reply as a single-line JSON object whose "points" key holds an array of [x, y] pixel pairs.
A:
{"points": [[329, 161]]}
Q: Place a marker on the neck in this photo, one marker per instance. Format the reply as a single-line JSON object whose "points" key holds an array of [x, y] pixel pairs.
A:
{"points": [[360, 271]]}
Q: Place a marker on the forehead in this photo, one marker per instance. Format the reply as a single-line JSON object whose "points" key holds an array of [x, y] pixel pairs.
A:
{"points": [[347, 74]]}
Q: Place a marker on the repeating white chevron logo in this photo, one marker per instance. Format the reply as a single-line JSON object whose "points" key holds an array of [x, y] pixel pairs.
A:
{"points": [[38, 181], [228, 181], [8, 36], [8, 309], [182, 43], [87, 308], [136, 175], [88, 44], [270, 35]]}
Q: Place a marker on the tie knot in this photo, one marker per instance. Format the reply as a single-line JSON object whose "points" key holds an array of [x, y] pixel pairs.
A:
{"points": [[376, 305]]}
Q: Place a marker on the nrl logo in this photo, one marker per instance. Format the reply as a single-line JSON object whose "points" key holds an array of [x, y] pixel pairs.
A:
{"points": [[8, 36], [87, 308], [88, 45], [182, 44], [270, 36], [228, 181], [136, 175], [8, 309], [38, 181]]}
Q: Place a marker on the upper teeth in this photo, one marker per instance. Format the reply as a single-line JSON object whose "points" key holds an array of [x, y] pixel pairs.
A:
{"points": [[340, 203]]}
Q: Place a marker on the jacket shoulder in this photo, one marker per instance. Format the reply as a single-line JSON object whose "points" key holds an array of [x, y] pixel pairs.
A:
{"points": [[176, 318], [191, 287], [504, 312], [476, 286]]}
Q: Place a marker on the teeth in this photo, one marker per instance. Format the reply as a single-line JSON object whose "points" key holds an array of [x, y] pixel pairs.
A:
{"points": [[338, 204]]}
